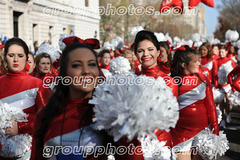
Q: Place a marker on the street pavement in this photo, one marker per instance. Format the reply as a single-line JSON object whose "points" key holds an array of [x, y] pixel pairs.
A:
{"points": [[233, 135]]}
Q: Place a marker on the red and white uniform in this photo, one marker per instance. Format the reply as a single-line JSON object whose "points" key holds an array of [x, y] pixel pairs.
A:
{"points": [[25, 92], [235, 84], [196, 109], [211, 64], [107, 67], [138, 67], [165, 68], [206, 72], [75, 129], [222, 61]]}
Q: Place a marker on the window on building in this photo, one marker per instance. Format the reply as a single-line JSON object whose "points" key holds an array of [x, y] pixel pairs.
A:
{"points": [[16, 16], [50, 34], [24, 1], [86, 3]]}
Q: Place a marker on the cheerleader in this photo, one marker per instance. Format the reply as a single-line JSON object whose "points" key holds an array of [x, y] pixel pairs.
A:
{"points": [[31, 63], [196, 105], [215, 52], [66, 121], [105, 58], [226, 63], [166, 57], [235, 84], [208, 61], [232, 54], [147, 50], [3, 69], [18, 89], [129, 55]]}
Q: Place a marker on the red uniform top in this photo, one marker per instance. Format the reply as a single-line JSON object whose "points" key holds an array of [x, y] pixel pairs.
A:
{"points": [[196, 108], [211, 64], [164, 67], [75, 129], [214, 56], [236, 83], [26, 92], [154, 72], [107, 67], [138, 67], [222, 61], [206, 72]]}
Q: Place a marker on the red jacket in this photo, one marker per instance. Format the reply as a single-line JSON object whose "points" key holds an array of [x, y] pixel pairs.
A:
{"points": [[196, 108]]}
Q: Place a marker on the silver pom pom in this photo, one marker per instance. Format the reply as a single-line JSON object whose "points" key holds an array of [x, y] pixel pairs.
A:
{"points": [[211, 146], [15, 146], [234, 98], [223, 71], [154, 150], [134, 108], [120, 66], [47, 48]]}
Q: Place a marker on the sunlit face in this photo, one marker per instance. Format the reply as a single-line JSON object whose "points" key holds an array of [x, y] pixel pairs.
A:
{"points": [[163, 55], [31, 63], [147, 54], [129, 57], [232, 50], [203, 51], [106, 59], [193, 66], [44, 65], [222, 53], [82, 68], [216, 50], [16, 58]]}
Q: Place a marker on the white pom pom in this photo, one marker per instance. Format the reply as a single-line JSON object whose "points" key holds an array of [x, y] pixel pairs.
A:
{"points": [[216, 41], [189, 43], [60, 42], [217, 95], [196, 37], [135, 30], [120, 66], [223, 71], [107, 45], [106, 73], [204, 38], [154, 150], [47, 48], [210, 38], [14, 146], [231, 35], [168, 38], [134, 106], [211, 146], [120, 42], [160, 37], [234, 98], [198, 44]]}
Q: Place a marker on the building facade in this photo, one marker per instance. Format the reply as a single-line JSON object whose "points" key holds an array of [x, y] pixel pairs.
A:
{"points": [[36, 21], [195, 17]]}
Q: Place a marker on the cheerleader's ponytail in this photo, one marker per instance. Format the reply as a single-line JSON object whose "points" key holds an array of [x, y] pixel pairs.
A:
{"points": [[181, 55]]}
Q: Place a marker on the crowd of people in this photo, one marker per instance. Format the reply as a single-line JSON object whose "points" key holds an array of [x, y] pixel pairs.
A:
{"points": [[62, 116]]}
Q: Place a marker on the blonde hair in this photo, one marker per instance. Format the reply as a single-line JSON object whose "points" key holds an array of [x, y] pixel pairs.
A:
{"points": [[131, 63], [3, 63]]}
